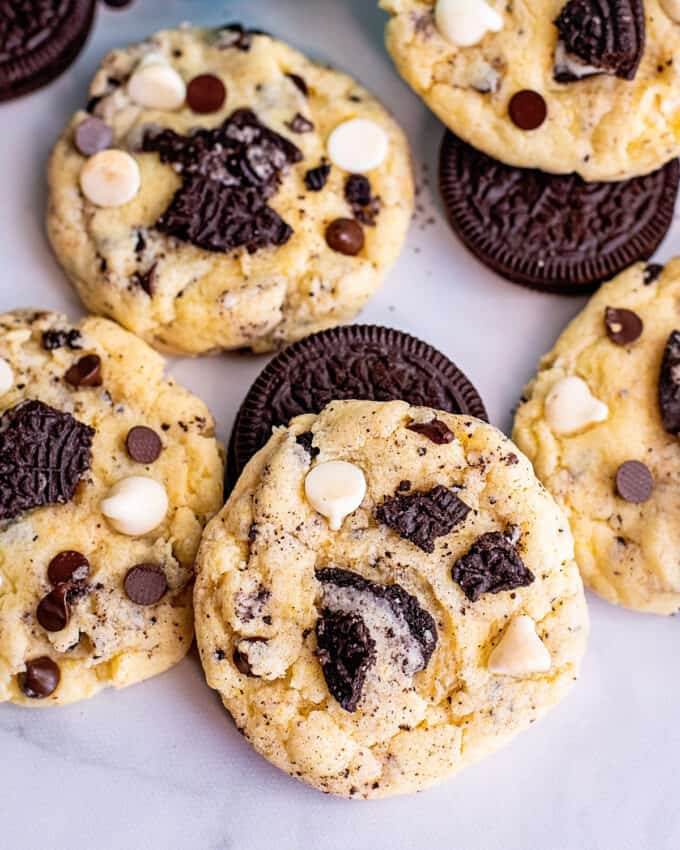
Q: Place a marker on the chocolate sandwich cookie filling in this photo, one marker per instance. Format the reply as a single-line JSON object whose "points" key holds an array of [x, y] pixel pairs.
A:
{"points": [[491, 565], [421, 517]]}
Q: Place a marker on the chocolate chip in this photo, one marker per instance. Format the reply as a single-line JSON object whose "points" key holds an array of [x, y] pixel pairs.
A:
{"points": [[68, 566], [300, 124], [345, 236], [346, 652], [421, 517], [145, 584], [652, 273], [623, 326], [43, 455], [54, 612], [669, 385], [316, 178], [41, 678], [86, 372], [634, 482], [299, 82], [436, 430], [53, 339], [528, 109], [206, 93], [143, 444], [305, 440], [93, 135], [491, 565]]}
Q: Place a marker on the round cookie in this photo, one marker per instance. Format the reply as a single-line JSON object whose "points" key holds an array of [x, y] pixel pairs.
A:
{"points": [[378, 609], [231, 193], [108, 473], [601, 421], [560, 86]]}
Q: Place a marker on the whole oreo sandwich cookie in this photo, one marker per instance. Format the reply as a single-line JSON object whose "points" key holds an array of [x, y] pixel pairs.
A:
{"points": [[38, 40], [363, 362], [555, 233]]}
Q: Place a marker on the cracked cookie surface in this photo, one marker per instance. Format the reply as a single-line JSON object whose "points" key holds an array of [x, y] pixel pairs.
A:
{"points": [[352, 659], [83, 606]]}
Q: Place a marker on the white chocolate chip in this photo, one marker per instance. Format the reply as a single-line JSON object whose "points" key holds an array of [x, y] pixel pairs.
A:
{"points": [[672, 9], [110, 178], [520, 652], [135, 505], [335, 489], [358, 145], [156, 85], [6, 376], [571, 407], [466, 22]]}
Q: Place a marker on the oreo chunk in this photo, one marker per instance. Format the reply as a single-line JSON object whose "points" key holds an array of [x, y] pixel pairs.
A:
{"points": [[359, 195], [44, 453], [669, 385], [423, 516], [555, 233], [491, 565], [350, 362], [39, 39], [228, 175], [599, 37], [59, 338], [361, 621]]}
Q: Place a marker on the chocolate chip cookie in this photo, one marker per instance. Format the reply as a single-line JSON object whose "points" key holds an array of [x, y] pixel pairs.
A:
{"points": [[219, 190], [601, 422], [565, 86], [108, 473], [388, 595]]}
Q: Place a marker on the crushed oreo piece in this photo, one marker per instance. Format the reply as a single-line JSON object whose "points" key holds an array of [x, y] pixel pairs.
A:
{"points": [[146, 280], [235, 35], [362, 620], [491, 565], [300, 124], [669, 385], [228, 175], [421, 517], [359, 195], [44, 453], [300, 83], [316, 178], [436, 431], [652, 273], [599, 37], [305, 440], [53, 339]]}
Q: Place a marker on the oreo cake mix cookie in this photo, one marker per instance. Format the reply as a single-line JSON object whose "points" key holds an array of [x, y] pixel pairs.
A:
{"points": [[566, 86], [555, 233], [220, 190], [108, 473], [601, 422], [351, 362], [388, 596]]}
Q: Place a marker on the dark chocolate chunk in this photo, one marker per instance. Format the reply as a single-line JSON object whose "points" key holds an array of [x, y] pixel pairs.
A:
{"points": [[435, 430], [68, 566], [54, 339], [359, 195], [421, 517], [299, 83], [39, 39], [206, 93], [300, 124], [345, 236], [44, 453], [93, 135], [652, 273], [316, 178], [605, 35], [228, 175], [350, 362], [305, 440], [551, 232], [491, 565], [623, 326], [54, 612], [143, 444], [634, 482], [86, 372], [346, 652], [527, 109], [669, 385], [41, 678], [145, 584]]}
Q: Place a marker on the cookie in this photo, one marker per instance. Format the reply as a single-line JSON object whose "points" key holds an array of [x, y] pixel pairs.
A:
{"points": [[222, 191], [39, 39], [352, 362], [379, 605], [108, 473], [579, 87], [549, 232], [600, 422]]}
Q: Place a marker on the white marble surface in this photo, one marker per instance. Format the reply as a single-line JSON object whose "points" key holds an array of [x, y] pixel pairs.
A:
{"points": [[160, 765]]}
